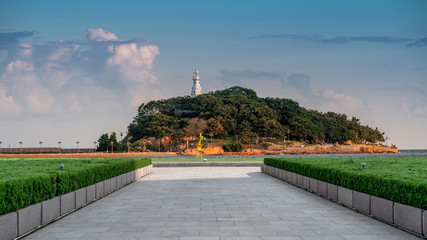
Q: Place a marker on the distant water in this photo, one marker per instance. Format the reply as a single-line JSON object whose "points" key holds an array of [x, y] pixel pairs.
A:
{"points": [[419, 153]]}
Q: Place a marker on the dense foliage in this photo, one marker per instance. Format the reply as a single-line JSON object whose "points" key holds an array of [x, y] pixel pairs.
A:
{"points": [[239, 111], [399, 180], [36, 180]]}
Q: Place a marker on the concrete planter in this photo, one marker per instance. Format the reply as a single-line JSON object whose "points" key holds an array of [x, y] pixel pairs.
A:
{"points": [[9, 226], [313, 185], [132, 176], [124, 183], [306, 183], [294, 178], [119, 182], [322, 188], [107, 187], [113, 184], [81, 197], [289, 177], [408, 217], [128, 178], [425, 223], [345, 197], [382, 209], [68, 202], [333, 192], [51, 209], [29, 218], [99, 190], [362, 202], [90, 193], [284, 175], [299, 181]]}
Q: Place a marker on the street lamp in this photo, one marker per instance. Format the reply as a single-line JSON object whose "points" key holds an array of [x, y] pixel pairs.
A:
{"points": [[0, 146], [59, 149], [77, 146], [40, 146], [112, 144], [128, 146], [94, 144], [289, 131], [20, 146]]}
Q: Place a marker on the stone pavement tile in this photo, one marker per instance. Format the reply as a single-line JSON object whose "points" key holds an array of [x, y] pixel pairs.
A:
{"points": [[240, 238], [199, 238], [281, 238], [324, 237], [380, 237]]}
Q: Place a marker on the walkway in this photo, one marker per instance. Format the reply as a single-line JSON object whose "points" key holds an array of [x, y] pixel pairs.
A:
{"points": [[215, 203]]}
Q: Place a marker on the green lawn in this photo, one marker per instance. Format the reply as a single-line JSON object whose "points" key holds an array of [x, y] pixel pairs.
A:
{"points": [[28, 167], [209, 159]]}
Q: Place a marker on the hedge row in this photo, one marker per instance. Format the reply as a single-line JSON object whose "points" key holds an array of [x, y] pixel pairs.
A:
{"points": [[397, 189], [17, 193]]}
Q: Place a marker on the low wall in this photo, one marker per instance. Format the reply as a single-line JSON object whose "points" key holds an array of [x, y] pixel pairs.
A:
{"points": [[410, 219], [31, 218], [207, 164]]}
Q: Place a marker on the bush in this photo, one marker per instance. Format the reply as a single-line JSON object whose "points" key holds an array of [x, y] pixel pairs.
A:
{"points": [[384, 178], [42, 180], [233, 147], [150, 147]]}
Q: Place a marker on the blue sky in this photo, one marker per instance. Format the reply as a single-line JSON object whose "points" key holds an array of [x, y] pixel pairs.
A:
{"points": [[71, 70]]}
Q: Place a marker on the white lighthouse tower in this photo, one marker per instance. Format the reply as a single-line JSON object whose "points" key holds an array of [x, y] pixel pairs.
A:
{"points": [[196, 89]]}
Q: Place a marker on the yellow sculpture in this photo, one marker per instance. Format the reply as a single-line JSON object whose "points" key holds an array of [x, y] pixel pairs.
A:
{"points": [[199, 148]]}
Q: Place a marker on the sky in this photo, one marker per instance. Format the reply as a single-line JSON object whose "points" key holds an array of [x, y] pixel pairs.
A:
{"points": [[72, 70]]}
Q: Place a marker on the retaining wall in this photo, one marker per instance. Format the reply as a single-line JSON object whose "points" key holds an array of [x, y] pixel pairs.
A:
{"points": [[410, 219], [29, 219]]}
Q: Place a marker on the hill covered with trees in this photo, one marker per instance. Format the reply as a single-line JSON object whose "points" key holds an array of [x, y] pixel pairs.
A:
{"points": [[239, 113]]}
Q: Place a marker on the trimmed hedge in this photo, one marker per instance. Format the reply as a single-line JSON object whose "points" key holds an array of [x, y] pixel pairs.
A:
{"points": [[44, 183], [408, 188]]}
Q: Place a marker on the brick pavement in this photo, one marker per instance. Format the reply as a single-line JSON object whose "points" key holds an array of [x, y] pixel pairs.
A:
{"points": [[216, 203]]}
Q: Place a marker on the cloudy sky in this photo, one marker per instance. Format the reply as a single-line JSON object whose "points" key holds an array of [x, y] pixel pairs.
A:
{"points": [[71, 70]]}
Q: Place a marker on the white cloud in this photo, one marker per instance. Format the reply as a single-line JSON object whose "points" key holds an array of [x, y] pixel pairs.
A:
{"points": [[98, 34], [20, 66], [134, 61], [7, 103], [61, 78]]}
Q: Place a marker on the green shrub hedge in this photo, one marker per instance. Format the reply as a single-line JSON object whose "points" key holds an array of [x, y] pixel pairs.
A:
{"points": [[28, 181], [399, 180], [233, 147]]}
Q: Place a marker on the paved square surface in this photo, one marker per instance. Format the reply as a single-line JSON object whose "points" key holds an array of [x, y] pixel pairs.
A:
{"points": [[215, 203]]}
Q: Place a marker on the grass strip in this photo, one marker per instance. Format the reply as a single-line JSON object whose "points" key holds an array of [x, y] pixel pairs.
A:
{"points": [[399, 180]]}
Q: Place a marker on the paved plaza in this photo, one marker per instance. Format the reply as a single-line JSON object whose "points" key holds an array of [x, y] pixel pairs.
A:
{"points": [[215, 203]]}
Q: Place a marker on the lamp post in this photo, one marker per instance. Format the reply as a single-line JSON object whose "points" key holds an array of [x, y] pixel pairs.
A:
{"points": [[77, 146], [128, 146], [20, 146], [40, 146], [94, 144], [112, 144], [289, 131], [59, 148], [121, 136], [0, 146]]}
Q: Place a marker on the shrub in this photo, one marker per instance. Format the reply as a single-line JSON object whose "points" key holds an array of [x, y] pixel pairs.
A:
{"points": [[233, 147], [42, 179], [409, 189], [150, 147]]}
